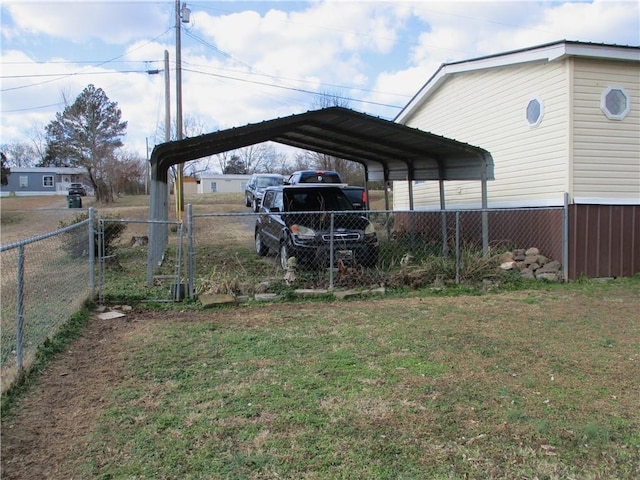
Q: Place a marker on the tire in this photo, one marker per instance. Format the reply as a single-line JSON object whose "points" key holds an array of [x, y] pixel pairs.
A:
{"points": [[284, 255], [256, 205], [247, 202], [261, 248]]}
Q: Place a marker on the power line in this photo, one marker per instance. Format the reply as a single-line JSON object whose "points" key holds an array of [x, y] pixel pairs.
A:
{"points": [[111, 72], [81, 72], [296, 89]]}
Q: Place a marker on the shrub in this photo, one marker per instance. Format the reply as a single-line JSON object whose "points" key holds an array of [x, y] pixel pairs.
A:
{"points": [[76, 241]]}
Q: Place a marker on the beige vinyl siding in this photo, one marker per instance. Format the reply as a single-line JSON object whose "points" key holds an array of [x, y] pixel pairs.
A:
{"points": [[487, 109], [606, 165]]}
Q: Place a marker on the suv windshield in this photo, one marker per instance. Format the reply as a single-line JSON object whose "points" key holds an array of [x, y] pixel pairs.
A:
{"points": [[264, 182], [316, 200]]}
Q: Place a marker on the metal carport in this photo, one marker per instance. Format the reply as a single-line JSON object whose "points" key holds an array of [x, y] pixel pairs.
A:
{"points": [[387, 150]]}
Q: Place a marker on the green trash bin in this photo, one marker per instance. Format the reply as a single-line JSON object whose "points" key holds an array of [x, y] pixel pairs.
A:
{"points": [[74, 201]]}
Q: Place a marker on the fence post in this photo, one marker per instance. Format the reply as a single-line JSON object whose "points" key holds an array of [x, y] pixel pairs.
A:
{"points": [[457, 247], [92, 254], [331, 247], [190, 253], [178, 279], [445, 239], [20, 311], [485, 232], [565, 238], [101, 265]]}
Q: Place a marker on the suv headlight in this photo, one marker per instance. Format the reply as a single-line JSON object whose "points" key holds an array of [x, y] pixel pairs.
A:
{"points": [[302, 232], [370, 232]]}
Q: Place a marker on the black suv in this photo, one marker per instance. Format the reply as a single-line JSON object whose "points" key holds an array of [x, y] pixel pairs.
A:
{"points": [[255, 188], [314, 176], [309, 222], [77, 189]]}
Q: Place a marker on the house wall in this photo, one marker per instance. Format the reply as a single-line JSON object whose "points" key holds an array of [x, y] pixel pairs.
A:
{"points": [[606, 155], [223, 183], [487, 108], [35, 181], [190, 186]]}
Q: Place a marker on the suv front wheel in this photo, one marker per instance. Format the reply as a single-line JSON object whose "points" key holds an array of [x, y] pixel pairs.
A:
{"points": [[284, 255], [261, 248]]}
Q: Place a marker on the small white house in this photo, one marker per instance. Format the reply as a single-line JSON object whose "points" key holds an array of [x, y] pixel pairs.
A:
{"points": [[561, 117], [222, 183]]}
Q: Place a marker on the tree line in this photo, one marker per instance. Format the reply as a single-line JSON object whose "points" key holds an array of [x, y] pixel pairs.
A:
{"points": [[89, 134]]}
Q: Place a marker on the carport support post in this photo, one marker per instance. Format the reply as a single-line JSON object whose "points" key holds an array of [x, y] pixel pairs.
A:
{"points": [[158, 226], [387, 187], [485, 213], [443, 220], [190, 252], [412, 217]]}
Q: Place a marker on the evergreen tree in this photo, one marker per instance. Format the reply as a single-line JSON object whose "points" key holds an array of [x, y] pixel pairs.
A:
{"points": [[235, 165], [87, 134], [5, 169]]}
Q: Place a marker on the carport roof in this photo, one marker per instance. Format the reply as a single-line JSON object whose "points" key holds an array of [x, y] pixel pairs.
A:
{"points": [[388, 150]]}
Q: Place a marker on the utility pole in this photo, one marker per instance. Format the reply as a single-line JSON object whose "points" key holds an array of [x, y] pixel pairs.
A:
{"points": [[182, 16], [167, 98]]}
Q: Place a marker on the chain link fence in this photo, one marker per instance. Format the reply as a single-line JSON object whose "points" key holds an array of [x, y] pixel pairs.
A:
{"points": [[233, 253], [45, 280]]}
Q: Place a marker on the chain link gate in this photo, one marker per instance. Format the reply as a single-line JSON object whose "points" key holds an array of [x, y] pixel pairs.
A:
{"points": [[122, 264]]}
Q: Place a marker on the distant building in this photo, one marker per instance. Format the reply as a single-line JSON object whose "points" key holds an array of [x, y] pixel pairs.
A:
{"points": [[222, 183], [34, 181]]}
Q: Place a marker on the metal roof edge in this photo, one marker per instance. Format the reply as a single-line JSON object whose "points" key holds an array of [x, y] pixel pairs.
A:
{"points": [[58, 170], [548, 52]]}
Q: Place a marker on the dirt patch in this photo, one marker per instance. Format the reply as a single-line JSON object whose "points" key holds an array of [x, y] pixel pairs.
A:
{"points": [[48, 434]]}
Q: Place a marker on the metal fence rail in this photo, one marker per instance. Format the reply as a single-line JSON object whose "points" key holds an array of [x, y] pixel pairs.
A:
{"points": [[45, 280], [340, 241]]}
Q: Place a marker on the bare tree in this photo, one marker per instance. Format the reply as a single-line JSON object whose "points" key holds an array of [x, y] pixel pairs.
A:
{"points": [[126, 174], [224, 158], [260, 158], [352, 172], [37, 135], [20, 154]]}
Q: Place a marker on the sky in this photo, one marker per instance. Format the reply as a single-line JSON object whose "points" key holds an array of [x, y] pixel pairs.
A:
{"points": [[249, 61]]}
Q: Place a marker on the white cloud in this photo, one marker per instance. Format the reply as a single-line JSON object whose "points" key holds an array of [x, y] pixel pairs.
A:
{"points": [[374, 51], [111, 22], [600, 21]]}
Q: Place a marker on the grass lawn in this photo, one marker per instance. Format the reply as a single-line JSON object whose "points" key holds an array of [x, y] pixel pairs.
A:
{"points": [[533, 384], [541, 383]]}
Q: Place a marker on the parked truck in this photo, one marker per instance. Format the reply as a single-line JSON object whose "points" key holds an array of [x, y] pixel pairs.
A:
{"points": [[357, 195]]}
